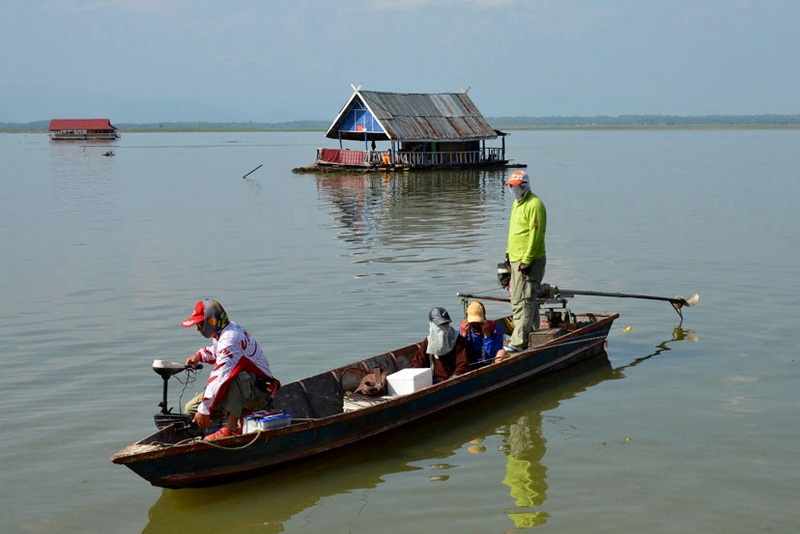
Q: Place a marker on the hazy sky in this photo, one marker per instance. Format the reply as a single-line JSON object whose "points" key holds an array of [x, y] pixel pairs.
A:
{"points": [[280, 60]]}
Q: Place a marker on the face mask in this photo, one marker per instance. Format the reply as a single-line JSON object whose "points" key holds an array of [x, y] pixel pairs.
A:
{"points": [[206, 329], [519, 191]]}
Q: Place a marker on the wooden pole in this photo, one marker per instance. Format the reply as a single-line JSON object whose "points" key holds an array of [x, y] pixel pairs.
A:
{"points": [[254, 170]]}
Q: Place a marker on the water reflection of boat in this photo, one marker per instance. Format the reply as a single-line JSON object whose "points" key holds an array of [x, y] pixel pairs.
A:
{"points": [[398, 209]]}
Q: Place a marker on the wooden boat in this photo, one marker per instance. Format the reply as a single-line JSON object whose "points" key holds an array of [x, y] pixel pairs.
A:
{"points": [[173, 457]]}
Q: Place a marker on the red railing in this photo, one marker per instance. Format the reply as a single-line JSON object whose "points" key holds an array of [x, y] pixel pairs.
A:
{"points": [[333, 156]]}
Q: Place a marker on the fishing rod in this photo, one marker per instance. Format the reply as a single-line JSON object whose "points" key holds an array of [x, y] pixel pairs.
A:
{"points": [[546, 291]]}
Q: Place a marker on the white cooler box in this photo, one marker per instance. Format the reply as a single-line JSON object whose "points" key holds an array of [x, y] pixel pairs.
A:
{"points": [[409, 380], [356, 402]]}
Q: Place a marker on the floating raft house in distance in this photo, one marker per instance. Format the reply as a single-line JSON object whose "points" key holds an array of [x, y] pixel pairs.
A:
{"points": [[82, 129], [423, 131]]}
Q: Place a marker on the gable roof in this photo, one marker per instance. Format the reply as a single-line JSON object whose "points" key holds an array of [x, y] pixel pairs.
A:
{"points": [[410, 117], [81, 124]]}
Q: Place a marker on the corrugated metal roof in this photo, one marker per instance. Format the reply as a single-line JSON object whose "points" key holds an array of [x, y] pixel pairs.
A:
{"points": [[418, 117], [81, 124]]}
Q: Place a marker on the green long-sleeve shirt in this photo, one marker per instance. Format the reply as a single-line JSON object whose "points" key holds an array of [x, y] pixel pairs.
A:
{"points": [[526, 229]]}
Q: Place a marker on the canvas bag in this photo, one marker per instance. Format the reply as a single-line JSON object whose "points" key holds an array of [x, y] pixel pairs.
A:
{"points": [[373, 384]]}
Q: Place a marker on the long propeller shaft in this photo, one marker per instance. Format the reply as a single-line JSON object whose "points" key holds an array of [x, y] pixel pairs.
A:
{"points": [[548, 291]]}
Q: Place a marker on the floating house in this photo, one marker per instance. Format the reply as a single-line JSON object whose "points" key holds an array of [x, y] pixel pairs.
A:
{"points": [[82, 129], [422, 131]]}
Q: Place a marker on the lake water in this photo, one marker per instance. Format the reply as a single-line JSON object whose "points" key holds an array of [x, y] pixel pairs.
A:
{"points": [[687, 426]]}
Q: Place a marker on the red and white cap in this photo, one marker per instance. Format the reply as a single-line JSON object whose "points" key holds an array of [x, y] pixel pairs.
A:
{"points": [[198, 316]]}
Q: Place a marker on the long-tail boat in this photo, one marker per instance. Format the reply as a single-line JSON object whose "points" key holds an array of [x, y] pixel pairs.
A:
{"points": [[325, 414]]}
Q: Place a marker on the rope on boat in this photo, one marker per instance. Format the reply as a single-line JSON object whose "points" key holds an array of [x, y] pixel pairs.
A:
{"points": [[242, 447], [170, 445], [198, 439]]}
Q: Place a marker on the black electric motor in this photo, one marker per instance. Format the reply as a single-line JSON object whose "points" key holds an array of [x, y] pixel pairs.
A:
{"points": [[167, 369]]}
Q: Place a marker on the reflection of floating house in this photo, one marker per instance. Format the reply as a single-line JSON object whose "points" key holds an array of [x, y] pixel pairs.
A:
{"points": [[72, 129], [424, 131]]}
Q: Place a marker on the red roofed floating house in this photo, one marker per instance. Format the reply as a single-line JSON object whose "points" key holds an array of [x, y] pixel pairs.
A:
{"points": [[82, 129], [423, 130]]}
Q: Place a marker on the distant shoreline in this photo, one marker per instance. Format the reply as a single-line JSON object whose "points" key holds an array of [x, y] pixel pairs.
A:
{"points": [[626, 122]]}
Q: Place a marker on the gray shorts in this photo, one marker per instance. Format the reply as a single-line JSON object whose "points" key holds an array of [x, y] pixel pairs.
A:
{"points": [[241, 394]]}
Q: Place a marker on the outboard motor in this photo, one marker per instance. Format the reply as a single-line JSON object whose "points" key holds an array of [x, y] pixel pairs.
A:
{"points": [[167, 369]]}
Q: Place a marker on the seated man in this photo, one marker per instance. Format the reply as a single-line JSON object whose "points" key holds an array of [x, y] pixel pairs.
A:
{"points": [[240, 379], [444, 350], [484, 337]]}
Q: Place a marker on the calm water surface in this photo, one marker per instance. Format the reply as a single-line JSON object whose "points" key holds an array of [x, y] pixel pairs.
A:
{"points": [[687, 426]]}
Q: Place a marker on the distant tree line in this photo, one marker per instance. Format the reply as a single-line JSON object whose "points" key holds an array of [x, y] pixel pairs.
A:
{"points": [[648, 121], [42, 126], [225, 126], [510, 123]]}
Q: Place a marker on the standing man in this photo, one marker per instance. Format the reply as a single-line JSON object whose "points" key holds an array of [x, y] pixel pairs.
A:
{"points": [[241, 378], [526, 256]]}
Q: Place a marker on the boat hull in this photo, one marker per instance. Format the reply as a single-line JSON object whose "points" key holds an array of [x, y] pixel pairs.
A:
{"points": [[202, 463]]}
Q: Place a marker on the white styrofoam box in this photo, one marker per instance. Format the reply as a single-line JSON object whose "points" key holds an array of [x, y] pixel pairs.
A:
{"points": [[248, 424], [409, 380], [356, 402]]}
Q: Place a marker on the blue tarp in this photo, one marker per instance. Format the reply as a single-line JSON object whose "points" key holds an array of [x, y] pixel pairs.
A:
{"points": [[359, 119]]}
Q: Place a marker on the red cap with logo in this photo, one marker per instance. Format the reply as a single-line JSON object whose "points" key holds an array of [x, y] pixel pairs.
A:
{"points": [[198, 316]]}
